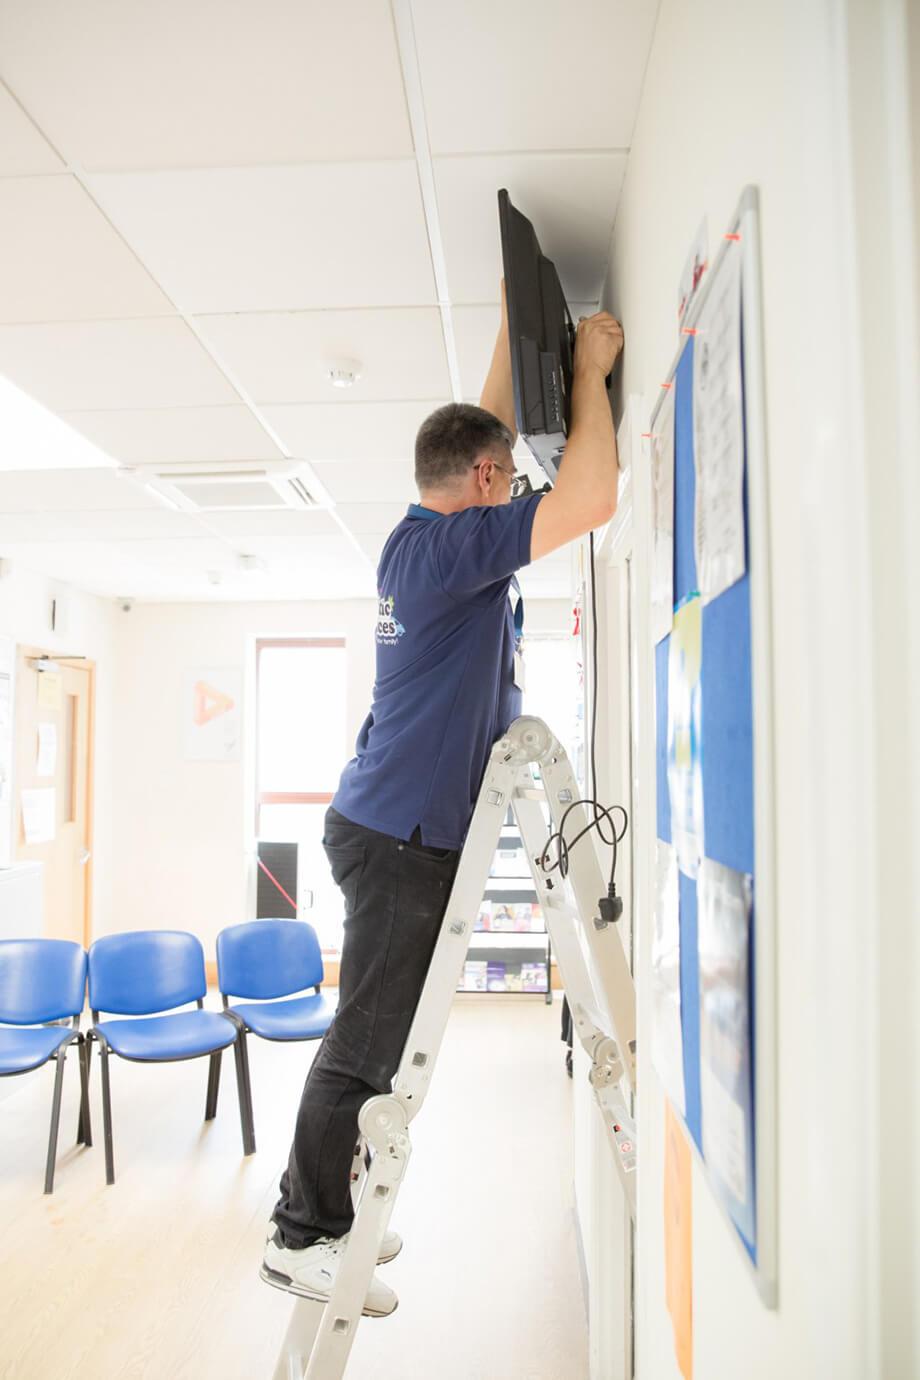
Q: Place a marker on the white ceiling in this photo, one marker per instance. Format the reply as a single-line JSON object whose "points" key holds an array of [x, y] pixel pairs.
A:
{"points": [[202, 204]]}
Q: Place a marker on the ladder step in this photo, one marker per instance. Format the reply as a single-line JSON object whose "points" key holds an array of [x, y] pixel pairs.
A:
{"points": [[529, 793]]}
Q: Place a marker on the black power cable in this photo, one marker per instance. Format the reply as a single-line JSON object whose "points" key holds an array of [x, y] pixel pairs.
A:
{"points": [[611, 905]]}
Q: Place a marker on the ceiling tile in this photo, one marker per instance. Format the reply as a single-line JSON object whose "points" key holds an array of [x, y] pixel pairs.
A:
{"points": [[71, 491], [61, 259], [570, 198], [109, 364], [177, 435], [130, 525], [362, 518], [130, 85], [279, 357], [370, 481], [266, 239], [349, 431], [552, 76], [239, 527], [372, 545], [23, 149]]}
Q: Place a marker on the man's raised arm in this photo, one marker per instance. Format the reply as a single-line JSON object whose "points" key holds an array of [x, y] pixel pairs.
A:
{"points": [[585, 493], [498, 390]]}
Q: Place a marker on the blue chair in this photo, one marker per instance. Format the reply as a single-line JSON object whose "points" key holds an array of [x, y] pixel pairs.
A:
{"points": [[148, 971], [42, 987], [265, 959]]}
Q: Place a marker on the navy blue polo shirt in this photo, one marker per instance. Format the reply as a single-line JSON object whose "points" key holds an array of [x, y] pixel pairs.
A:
{"points": [[444, 690]]}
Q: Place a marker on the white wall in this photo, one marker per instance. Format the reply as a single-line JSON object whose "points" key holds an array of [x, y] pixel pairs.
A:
{"points": [[181, 828], [89, 630], [740, 92]]}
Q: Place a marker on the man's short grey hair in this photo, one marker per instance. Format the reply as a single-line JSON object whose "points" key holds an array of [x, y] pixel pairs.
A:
{"points": [[452, 439]]}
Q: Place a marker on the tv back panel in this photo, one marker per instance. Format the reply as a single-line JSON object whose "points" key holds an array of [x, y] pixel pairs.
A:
{"points": [[542, 338]]}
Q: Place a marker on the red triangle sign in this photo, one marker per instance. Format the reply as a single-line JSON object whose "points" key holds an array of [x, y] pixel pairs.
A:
{"points": [[210, 703]]}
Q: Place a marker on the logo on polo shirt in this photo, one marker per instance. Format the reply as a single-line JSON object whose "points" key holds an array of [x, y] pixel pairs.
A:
{"points": [[389, 628]]}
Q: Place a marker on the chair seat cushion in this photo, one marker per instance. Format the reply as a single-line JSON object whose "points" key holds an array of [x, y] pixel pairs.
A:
{"points": [[27, 1048], [298, 1018], [180, 1036]]}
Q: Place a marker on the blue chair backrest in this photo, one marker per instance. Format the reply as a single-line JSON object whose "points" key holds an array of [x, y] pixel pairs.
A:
{"points": [[268, 958], [143, 971], [41, 980]]}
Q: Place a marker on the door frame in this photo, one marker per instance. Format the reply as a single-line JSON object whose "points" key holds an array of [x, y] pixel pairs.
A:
{"points": [[80, 664]]}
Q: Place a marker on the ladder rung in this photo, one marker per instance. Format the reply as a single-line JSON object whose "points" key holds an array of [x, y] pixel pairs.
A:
{"points": [[529, 793]]}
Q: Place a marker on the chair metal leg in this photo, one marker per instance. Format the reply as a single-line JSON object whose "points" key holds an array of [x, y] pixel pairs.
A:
{"points": [[210, 1106], [244, 1089], [107, 1115], [55, 1120], [84, 1124]]}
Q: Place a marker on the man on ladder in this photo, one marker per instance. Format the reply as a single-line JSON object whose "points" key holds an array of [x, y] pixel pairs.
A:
{"points": [[448, 685]]}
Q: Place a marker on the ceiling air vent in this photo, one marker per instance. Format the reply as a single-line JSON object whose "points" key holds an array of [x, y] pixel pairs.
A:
{"points": [[228, 487]]}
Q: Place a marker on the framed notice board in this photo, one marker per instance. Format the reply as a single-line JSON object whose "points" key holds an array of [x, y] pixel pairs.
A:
{"points": [[713, 969]]}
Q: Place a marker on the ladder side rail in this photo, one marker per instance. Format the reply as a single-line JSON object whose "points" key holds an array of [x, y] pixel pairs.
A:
{"points": [[587, 1010], [335, 1330], [607, 1068], [433, 1011], [608, 956], [384, 1123]]}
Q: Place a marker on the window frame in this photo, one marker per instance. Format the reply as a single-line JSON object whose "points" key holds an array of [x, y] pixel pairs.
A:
{"points": [[284, 797]]}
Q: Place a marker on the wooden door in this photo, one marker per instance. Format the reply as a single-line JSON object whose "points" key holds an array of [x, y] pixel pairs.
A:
{"points": [[63, 701]]}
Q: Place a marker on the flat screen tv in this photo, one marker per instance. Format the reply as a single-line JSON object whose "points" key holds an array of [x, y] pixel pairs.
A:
{"points": [[542, 339]]}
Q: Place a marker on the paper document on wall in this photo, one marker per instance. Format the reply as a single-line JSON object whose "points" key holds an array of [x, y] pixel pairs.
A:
{"points": [[39, 813], [212, 714], [724, 918], [718, 433], [663, 519], [667, 1039], [685, 717], [46, 764], [50, 690], [678, 1240]]}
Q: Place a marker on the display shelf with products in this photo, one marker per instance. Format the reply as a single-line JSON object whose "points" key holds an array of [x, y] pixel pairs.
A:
{"points": [[510, 948]]}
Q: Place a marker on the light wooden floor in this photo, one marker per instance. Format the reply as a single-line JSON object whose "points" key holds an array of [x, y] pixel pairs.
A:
{"points": [[156, 1278]]}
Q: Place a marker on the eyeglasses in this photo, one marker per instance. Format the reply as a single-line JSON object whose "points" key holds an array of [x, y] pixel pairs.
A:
{"points": [[512, 474]]}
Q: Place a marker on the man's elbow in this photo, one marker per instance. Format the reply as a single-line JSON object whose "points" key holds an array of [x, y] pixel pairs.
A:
{"points": [[604, 512]]}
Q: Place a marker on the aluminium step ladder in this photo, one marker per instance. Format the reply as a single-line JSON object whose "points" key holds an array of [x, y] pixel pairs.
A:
{"points": [[529, 771]]}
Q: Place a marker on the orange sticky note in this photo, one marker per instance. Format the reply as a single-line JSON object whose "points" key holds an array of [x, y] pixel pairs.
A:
{"points": [[678, 1239]]}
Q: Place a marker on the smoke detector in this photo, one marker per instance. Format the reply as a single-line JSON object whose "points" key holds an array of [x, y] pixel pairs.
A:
{"points": [[342, 373]]}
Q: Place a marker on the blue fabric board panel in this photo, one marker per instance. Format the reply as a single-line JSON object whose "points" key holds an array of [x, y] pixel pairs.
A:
{"points": [[661, 739], [684, 480], [690, 1006], [728, 729], [727, 739]]}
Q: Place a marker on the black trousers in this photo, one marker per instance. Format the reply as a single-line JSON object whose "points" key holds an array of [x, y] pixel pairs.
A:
{"points": [[395, 893]]}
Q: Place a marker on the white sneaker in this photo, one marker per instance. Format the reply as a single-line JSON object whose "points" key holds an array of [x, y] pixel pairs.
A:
{"points": [[390, 1246], [310, 1273]]}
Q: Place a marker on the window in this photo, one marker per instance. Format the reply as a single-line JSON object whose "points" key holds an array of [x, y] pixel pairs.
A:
{"points": [[551, 681], [301, 747]]}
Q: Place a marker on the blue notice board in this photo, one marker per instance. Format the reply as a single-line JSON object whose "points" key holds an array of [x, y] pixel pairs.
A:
{"points": [[727, 998]]}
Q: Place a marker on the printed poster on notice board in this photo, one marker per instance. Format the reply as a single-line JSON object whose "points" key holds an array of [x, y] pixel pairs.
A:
{"points": [[685, 767], [718, 433], [726, 1091], [662, 579], [667, 1038]]}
